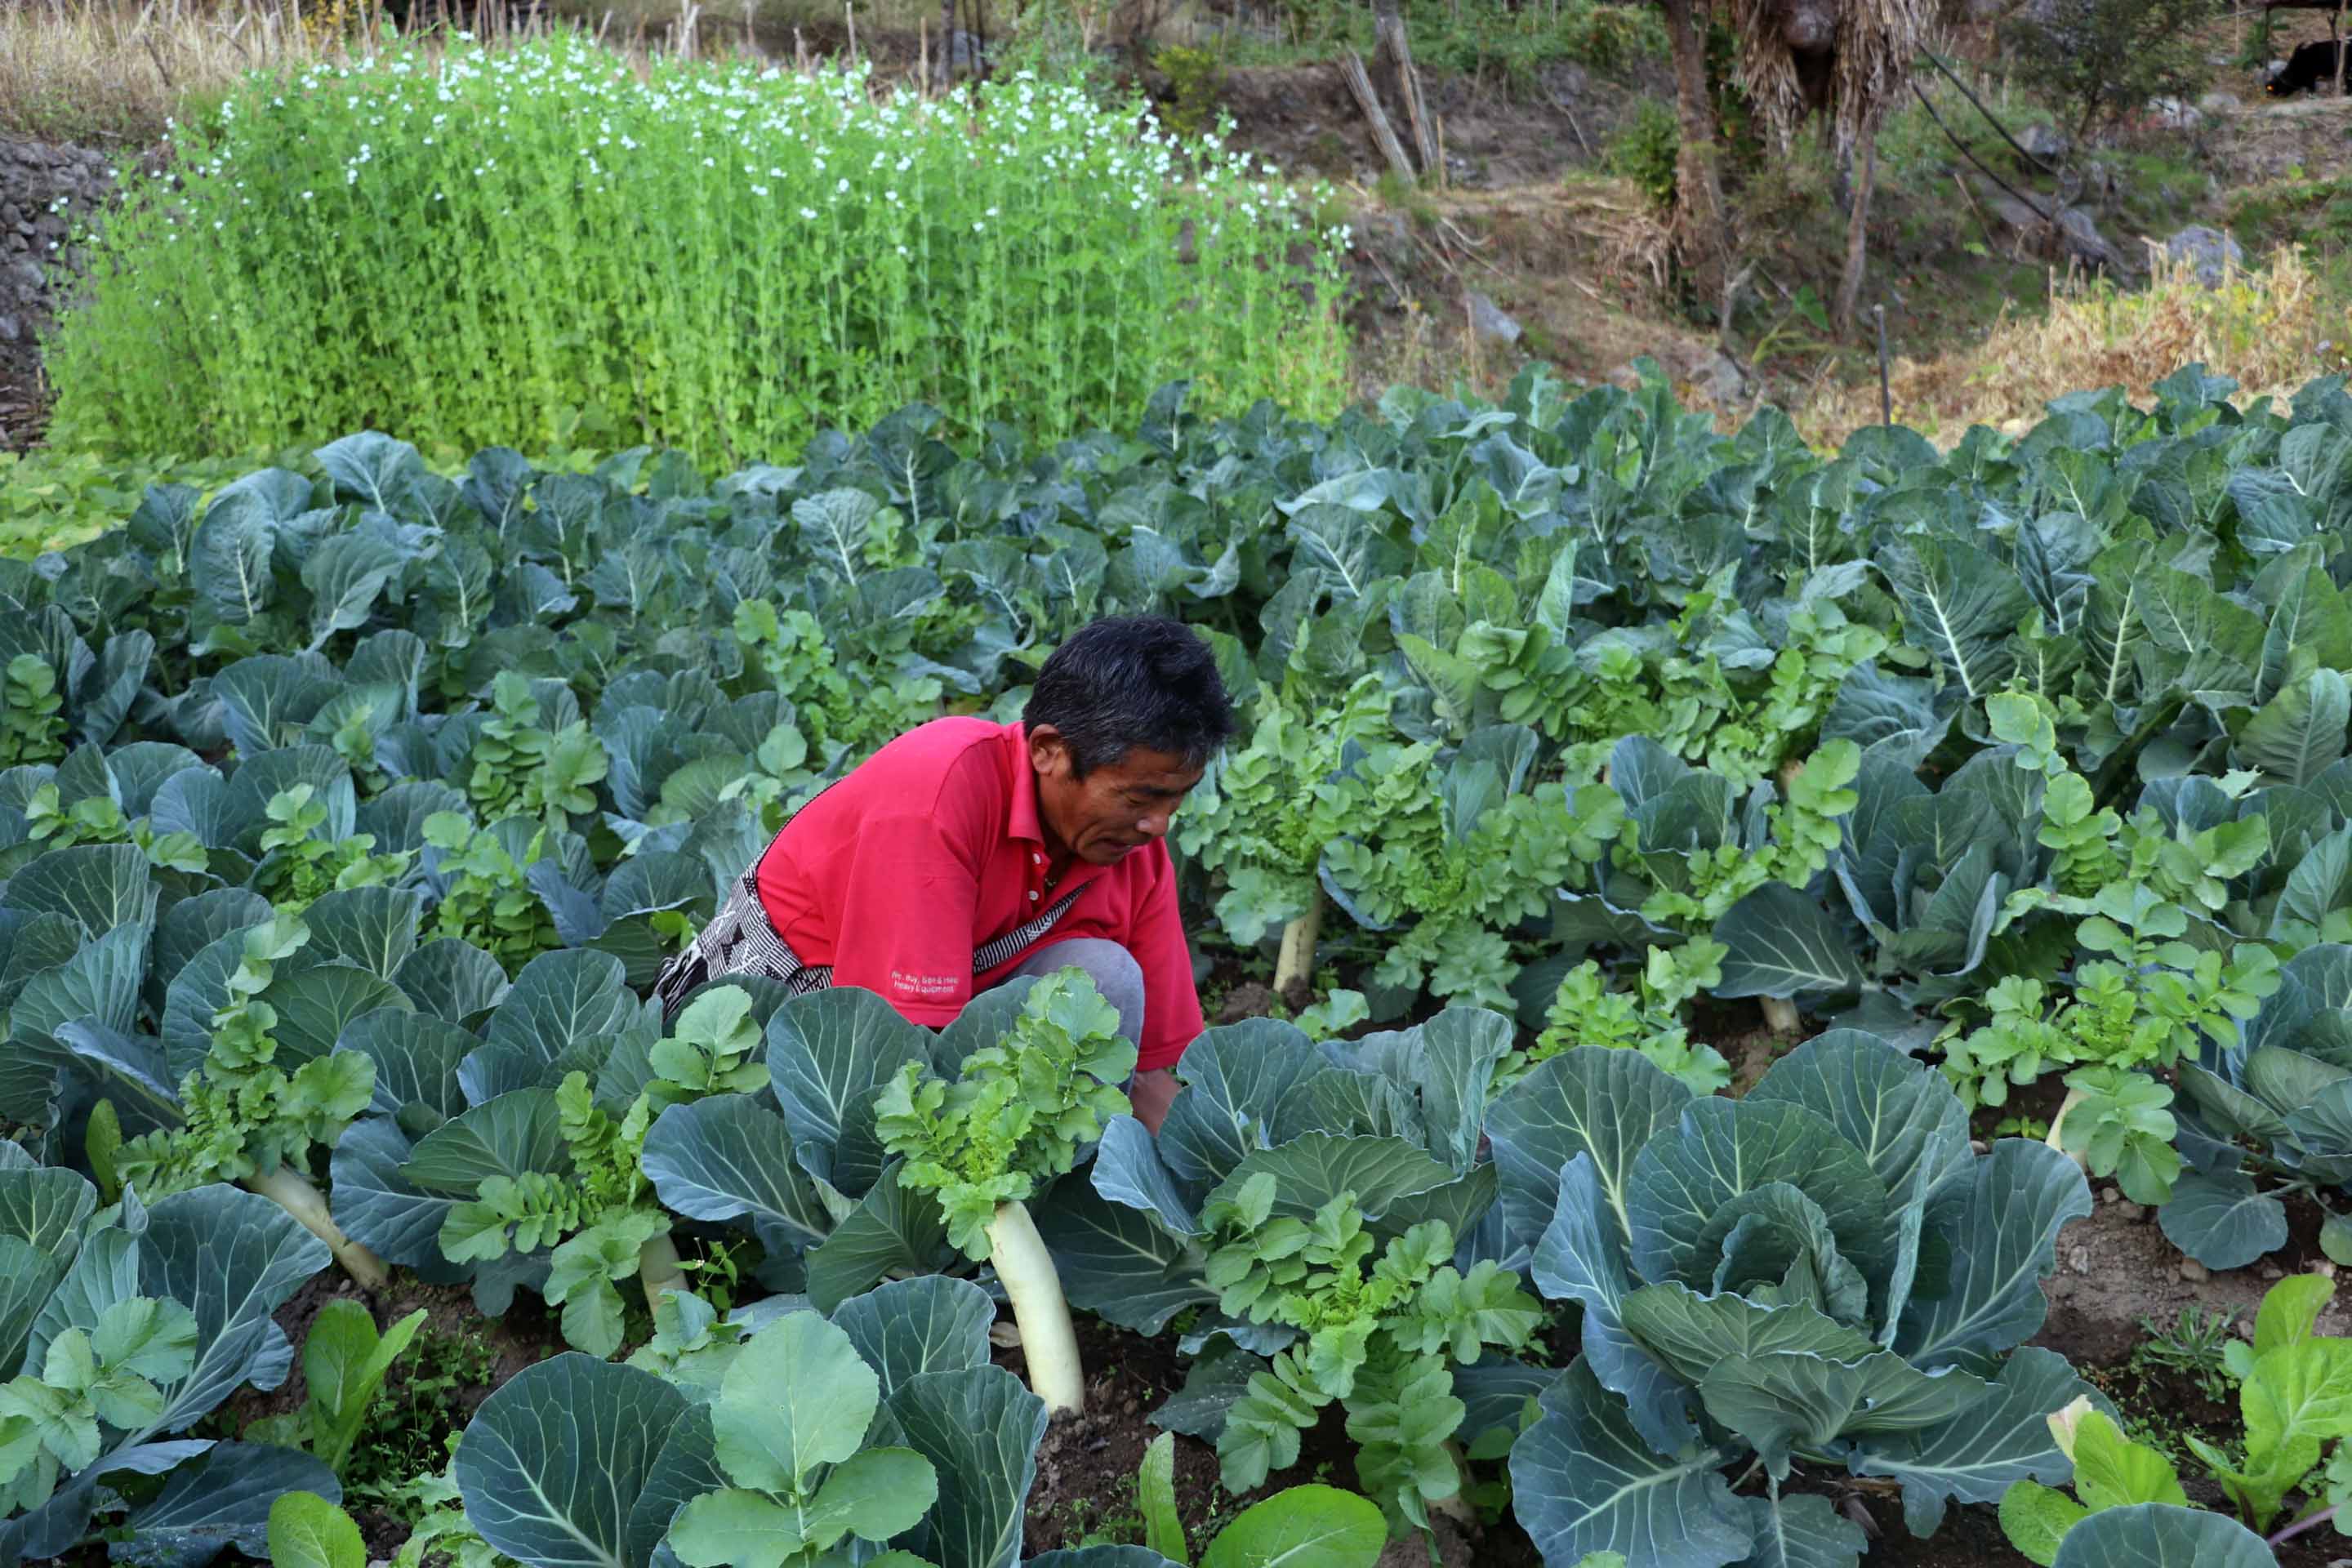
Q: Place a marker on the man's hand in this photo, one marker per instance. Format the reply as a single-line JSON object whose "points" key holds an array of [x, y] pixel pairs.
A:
{"points": [[1150, 1093]]}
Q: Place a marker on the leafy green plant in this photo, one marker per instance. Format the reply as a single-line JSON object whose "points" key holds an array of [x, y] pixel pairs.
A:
{"points": [[521, 768], [714, 1047], [301, 863], [2115, 1122], [1747, 1306], [594, 1217], [242, 1117], [108, 1375], [32, 713], [1195, 78], [344, 1361], [1648, 1019], [2295, 1384], [97, 819], [790, 1423], [1015, 1119], [2110, 1471], [489, 902], [1381, 1329], [1646, 151], [1311, 1526], [1264, 813]]}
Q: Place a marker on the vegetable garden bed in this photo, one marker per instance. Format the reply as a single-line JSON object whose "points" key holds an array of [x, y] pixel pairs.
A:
{"points": [[1698, 873]]}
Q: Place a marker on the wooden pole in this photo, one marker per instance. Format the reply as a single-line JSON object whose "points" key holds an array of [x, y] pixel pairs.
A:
{"points": [[1384, 136]]}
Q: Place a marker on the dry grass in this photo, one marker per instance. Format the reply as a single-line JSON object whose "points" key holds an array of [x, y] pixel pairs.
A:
{"points": [[2270, 329], [101, 71], [113, 72]]}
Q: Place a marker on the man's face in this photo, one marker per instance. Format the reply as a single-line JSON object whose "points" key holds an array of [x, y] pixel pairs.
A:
{"points": [[1120, 806]]}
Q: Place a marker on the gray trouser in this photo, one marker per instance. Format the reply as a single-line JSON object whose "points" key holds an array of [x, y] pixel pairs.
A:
{"points": [[1111, 967]]}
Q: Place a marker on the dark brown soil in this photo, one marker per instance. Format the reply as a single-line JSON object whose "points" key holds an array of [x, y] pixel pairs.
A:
{"points": [[527, 1333]]}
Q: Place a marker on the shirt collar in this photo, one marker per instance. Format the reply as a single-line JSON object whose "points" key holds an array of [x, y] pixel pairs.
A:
{"points": [[1022, 822]]}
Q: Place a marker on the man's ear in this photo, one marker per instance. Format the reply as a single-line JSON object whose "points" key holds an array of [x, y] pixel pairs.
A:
{"points": [[1049, 752]]}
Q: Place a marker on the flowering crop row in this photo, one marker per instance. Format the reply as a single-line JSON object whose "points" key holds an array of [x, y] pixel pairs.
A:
{"points": [[494, 247]]}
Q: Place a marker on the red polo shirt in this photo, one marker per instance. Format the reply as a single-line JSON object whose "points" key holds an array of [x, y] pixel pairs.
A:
{"points": [[929, 850]]}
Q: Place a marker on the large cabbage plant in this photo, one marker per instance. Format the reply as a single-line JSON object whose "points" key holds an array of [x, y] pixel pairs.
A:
{"points": [[781, 1437], [121, 1328], [1819, 1277]]}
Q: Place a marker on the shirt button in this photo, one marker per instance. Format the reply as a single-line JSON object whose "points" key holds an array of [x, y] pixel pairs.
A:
{"points": [[1032, 895], [1039, 859]]}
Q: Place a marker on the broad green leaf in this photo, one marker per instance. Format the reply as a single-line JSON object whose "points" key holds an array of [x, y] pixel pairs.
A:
{"points": [[1692, 1334], [2157, 1535], [875, 1494], [744, 1528], [562, 999], [1308, 1526], [1119, 1263], [910, 1327], [1783, 1399], [796, 1398], [306, 1531], [826, 1051], [2219, 1219], [1802, 1530], [1581, 1258], [1309, 1171], [1155, 1496], [686, 1467], [224, 1499], [1584, 1481], [1686, 1176], [1899, 1112], [520, 1469], [980, 1429], [2290, 1308], [2002, 1225], [2036, 1519], [1778, 942], [1237, 1079], [1591, 1100], [1980, 1454], [726, 1157], [2299, 733]]}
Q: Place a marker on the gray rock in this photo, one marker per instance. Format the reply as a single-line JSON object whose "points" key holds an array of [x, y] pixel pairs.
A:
{"points": [[1725, 380], [9, 330], [2044, 141], [1491, 323], [2210, 251], [2173, 114], [2086, 244], [2221, 103]]}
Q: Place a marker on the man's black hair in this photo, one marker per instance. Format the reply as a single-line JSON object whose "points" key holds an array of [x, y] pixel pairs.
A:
{"points": [[1130, 681]]}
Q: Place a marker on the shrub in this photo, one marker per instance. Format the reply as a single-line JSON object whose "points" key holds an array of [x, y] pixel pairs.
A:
{"points": [[1646, 149], [532, 245], [2098, 59]]}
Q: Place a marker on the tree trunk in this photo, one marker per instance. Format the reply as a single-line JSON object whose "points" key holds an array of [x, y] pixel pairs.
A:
{"points": [[1702, 232], [1857, 234]]}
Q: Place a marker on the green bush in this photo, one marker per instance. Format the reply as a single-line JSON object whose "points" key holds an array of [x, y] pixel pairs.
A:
{"points": [[540, 249], [1195, 77], [1647, 149], [2097, 59]]}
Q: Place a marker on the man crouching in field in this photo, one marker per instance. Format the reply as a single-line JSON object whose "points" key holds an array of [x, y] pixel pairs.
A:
{"points": [[966, 853]]}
